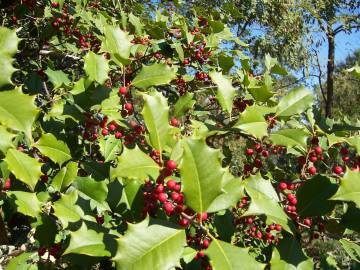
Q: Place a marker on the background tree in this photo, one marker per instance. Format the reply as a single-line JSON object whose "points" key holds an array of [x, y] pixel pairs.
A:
{"points": [[346, 89]]}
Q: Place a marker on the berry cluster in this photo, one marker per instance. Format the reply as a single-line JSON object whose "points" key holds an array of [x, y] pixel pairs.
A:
{"points": [[197, 53], [64, 21], [257, 154]]}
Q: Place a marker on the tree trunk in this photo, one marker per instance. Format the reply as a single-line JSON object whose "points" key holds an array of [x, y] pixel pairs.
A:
{"points": [[330, 73]]}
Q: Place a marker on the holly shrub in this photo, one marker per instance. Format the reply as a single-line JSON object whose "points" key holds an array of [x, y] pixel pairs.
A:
{"points": [[145, 141]]}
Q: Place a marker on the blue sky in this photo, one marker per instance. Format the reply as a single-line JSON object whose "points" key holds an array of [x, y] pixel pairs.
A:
{"points": [[345, 45]]}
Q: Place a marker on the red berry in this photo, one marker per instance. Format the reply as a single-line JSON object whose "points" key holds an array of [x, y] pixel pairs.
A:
{"points": [[312, 170], [41, 251], [249, 220], [104, 132], [203, 216], [259, 235], [175, 196], [258, 147], [118, 135], [318, 150], [44, 178], [171, 184], [99, 219], [257, 163], [7, 184], [344, 151], [206, 243], [346, 158], [174, 122], [282, 186], [201, 253], [278, 227], [290, 196], [55, 4], [314, 140], [160, 188], [177, 187], [171, 165], [313, 158], [307, 221], [111, 127], [162, 197], [184, 222], [293, 201], [169, 208], [122, 90], [54, 249], [302, 160], [128, 106], [249, 151], [186, 61], [265, 153], [337, 169]]}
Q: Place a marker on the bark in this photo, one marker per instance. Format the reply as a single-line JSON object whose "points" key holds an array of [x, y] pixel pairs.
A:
{"points": [[330, 73]]}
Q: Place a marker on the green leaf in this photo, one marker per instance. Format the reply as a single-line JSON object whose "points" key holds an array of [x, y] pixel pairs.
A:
{"points": [[23, 262], [333, 139], [260, 90], [252, 122], [313, 197], [27, 203], [53, 148], [296, 101], [134, 163], [111, 106], [95, 191], [264, 200], [351, 248], [57, 77], [188, 254], [349, 189], [6, 139], [87, 242], [289, 255], [183, 104], [8, 41], [155, 74], [117, 43], [179, 50], [290, 137], [96, 67], [273, 66], [151, 244], [25, 168], [226, 62], [156, 117], [66, 210], [351, 219], [201, 182], [226, 92], [110, 147], [135, 21], [233, 191], [131, 191], [355, 142], [8, 47], [19, 117], [224, 256], [65, 176]]}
